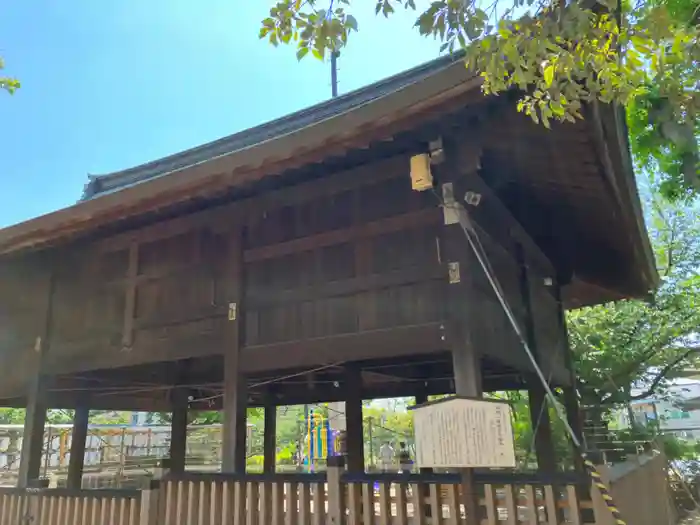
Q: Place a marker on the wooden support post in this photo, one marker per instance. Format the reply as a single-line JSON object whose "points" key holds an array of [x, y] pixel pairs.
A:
{"points": [[78, 441], [234, 424], [462, 310], [542, 428], [178, 429], [234, 418], [573, 410], [35, 416], [575, 419], [421, 398], [149, 505], [353, 415], [539, 412], [467, 372], [242, 428], [270, 435], [235, 399], [336, 504], [33, 433]]}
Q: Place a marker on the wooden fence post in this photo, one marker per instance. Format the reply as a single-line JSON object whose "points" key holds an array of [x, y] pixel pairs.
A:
{"points": [[34, 497], [336, 509], [33, 512], [149, 504]]}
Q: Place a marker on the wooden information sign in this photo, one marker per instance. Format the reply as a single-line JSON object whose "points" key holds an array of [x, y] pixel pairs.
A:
{"points": [[461, 432]]}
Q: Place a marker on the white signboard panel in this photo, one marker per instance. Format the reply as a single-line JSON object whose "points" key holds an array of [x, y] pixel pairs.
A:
{"points": [[464, 433]]}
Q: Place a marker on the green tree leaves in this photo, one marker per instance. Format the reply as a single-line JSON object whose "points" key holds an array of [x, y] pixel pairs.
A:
{"points": [[7, 83], [559, 57], [641, 343], [309, 28]]}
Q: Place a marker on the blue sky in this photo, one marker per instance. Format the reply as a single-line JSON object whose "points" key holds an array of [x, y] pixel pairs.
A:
{"points": [[115, 83]]}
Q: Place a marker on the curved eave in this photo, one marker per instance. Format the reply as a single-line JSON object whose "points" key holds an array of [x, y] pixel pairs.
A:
{"points": [[354, 127], [613, 127]]}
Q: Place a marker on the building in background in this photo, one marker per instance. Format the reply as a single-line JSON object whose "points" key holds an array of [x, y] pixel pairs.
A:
{"points": [[677, 412]]}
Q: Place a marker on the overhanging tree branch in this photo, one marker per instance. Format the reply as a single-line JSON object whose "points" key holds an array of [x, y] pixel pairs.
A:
{"points": [[664, 372]]}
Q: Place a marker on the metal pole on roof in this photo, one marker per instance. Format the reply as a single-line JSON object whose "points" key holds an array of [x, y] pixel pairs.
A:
{"points": [[334, 73]]}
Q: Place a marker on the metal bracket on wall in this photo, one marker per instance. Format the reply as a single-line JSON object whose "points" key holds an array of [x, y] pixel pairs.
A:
{"points": [[449, 210], [453, 272], [232, 311]]}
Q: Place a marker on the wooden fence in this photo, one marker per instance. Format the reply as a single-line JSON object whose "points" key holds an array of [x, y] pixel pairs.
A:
{"points": [[334, 498], [380, 499], [69, 507]]}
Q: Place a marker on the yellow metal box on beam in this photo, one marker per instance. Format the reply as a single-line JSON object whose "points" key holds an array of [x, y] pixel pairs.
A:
{"points": [[421, 177]]}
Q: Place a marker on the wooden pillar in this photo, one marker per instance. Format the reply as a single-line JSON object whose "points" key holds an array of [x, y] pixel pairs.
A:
{"points": [[234, 424], [235, 398], [270, 436], [575, 419], [539, 412], [353, 419], [78, 441], [421, 397], [33, 433], [336, 503], [467, 375], [462, 310], [573, 410], [542, 428], [35, 416], [178, 429]]}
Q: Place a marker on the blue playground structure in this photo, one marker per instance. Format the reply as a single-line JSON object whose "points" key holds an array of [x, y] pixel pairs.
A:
{"points": [[320, 441]]}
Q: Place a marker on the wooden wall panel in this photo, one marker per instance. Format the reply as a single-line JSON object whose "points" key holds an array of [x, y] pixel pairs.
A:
{"points": [[88, 304], [156, 300], [363, 259], [317, 265], [87, 310], [24, 290], [180, 295]]}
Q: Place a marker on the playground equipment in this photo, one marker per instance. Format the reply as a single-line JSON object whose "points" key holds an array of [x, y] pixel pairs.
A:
{"points": [[320, 441]]}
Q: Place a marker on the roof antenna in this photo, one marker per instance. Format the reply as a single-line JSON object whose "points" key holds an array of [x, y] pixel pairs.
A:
{"points": [[334, 73]]}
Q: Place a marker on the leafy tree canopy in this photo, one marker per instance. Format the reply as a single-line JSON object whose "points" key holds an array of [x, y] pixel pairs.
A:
{"points": [[642, 54], [633, 343], [7, 83]]}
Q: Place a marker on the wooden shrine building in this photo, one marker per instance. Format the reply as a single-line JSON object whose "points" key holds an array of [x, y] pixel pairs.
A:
{"points": [[293, 263]]}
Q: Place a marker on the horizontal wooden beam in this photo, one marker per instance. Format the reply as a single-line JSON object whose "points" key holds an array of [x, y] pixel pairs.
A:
{"points": [[284, 396], [219, 218], [260, 298], [391, 342], [393, 224]]}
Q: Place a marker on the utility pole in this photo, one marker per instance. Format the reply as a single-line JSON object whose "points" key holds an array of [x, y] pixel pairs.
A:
{"points": [[371, 440], [334, 73]]}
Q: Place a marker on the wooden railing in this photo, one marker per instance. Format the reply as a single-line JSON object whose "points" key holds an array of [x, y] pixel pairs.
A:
{"points": [[69, 507], [284, 499], [332, 498], [368, 499], [390, 499]]}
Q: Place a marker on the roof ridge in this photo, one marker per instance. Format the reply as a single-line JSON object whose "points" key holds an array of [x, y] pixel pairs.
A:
{"points": [[289, 123]]}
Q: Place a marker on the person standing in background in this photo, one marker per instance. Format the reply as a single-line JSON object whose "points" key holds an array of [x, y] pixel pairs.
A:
{"points": [[386, 457], [405, 460]]}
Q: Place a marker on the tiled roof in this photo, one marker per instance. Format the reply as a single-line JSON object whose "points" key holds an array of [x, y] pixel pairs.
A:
{"points": [[108, 183]]}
